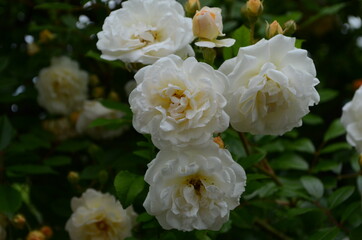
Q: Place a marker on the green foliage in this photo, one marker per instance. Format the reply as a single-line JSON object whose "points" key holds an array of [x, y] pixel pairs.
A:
{"points": [[128, 186]]}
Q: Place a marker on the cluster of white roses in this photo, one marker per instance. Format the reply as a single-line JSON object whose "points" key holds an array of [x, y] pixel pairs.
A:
{"points": [[63, 89], [266, 89]]}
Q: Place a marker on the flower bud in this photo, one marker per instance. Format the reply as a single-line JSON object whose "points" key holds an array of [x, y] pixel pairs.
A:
{"points": [[219, 141], [35, 235], [32, 49], [73, 177], [46, 36], [254, 8], [207, 23], [192, 6], [19, 221], [113, 96], [47, 231], [273, 29], [289, 28], [98, 92]]}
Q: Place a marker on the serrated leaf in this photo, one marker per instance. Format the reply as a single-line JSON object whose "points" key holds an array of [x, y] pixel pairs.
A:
{"points": [[339, 196], [326, 234], [336, 129], [289, 161], [313, 185], [128, 186], [335, 147], [6, 132], [250, 160], [10, 200]]}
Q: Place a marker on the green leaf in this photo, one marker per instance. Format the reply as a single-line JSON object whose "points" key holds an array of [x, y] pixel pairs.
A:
{"points": [[299, 42], [54, 5], [326, 234], [144, 217], [335, 147], [356, 233], [128, 186], [354, 207], [125, 108], [242, 37], [289, 161], [339, 196], [335, 130], [3, 63], [97, 57], [300, 211], [109, 123], [57, 161], [302, 145], [327, 165], [313, 185], [91, 172], [30, 169], [250, 160], [327, 95], [6, 132], [73, 145], [10, 200], [312, 119]]}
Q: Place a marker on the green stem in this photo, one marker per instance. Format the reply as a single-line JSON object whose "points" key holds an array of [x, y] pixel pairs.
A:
{"points": [[252, 32]]}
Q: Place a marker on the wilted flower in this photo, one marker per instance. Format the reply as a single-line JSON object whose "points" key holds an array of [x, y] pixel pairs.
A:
{"points": [[62, 87], [93, 110], [179, 102], [351, 120], [271, 86], [207, 26], [146, 30], [99, 216], [193, 188]]}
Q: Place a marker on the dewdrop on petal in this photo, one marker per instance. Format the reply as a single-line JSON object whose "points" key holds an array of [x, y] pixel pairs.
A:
{"points": [[207, 26]]}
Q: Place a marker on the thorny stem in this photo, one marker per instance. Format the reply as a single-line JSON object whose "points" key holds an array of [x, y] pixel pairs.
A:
{"points": [[330, 217], [272, 230]]}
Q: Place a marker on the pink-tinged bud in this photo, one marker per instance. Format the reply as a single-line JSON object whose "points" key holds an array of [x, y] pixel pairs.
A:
{"points": [[207, 23], [35, 235], [273, 29], [254, 8]]}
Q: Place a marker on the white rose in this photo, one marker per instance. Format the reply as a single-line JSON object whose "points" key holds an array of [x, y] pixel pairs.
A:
{"points": [[207, 25], [351, 120], [271, 86], [179, 102], [99, 216], [3, 223], [146, 30], [93, 110], [62, 87], [193, 188]]}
